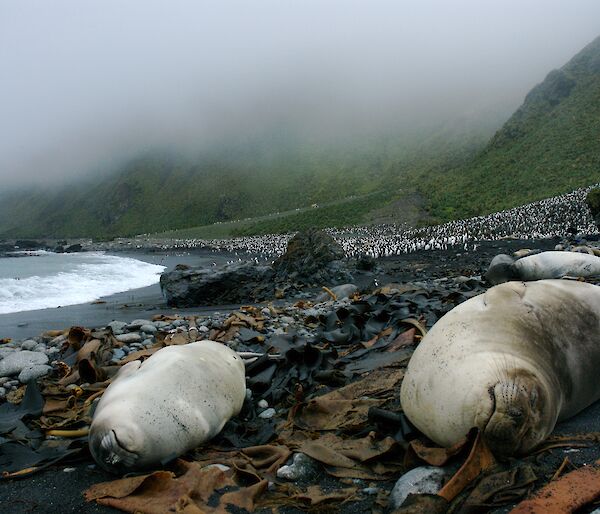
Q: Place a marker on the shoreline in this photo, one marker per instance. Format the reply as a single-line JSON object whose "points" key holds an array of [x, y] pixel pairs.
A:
{"points": [[125, 306], [60, 486]]}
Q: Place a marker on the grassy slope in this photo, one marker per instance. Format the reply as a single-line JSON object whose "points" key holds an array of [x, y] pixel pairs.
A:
{"points": [[159, 193], [549, 146]]}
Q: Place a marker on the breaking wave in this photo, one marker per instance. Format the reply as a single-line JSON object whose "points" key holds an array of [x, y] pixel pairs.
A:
{"points": [[46, 280]]}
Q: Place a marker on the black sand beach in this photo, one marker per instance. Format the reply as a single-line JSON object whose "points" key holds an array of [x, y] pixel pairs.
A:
{"points": [[59, 488]]}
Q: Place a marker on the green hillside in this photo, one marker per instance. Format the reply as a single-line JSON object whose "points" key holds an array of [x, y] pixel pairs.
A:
{"points": [[350, 182], [550, 145]]}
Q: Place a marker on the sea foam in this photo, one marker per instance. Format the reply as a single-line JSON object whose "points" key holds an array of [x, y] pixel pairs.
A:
{"points": [[85, 277]]}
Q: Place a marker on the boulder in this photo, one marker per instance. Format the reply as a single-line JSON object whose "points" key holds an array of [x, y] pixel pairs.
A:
{"points": [[312, 257], [234, 283]]}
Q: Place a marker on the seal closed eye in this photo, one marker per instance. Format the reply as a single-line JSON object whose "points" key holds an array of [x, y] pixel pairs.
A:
{"points": [[512, 362]]}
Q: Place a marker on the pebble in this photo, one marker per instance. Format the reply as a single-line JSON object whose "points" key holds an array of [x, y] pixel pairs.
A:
{"points": [[179, 322], [15, 362], [137, 323], [132, 337], [40, 348], [422, 480], [267, 414], [118, 354], [203, 329], [147, 342], [33, 372], [30, 344], [371, 491], [58, 341], [69, 470], [301, 467], [117, 326], [4, 351], [148, 329], [3, 380], [263, 404], [2, 392]]}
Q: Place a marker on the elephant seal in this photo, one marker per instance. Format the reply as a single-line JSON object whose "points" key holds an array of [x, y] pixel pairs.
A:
{"points": [[512, 362], [539, 266], [172, 402]]}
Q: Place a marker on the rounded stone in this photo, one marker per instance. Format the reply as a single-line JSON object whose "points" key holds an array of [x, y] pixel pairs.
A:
{"points": [[33, 372], [15, 362]]}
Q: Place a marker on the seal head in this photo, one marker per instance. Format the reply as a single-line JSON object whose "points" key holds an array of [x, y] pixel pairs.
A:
{"points": [[515, 418]]}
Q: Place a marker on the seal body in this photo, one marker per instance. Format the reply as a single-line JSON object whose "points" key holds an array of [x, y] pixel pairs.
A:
{"points": [[174, 401], [544, 265], [512, 362]]}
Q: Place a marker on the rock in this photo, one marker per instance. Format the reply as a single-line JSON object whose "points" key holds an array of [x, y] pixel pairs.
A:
{"points": [[3, 380], [148, 329], [234, 283], [58, 341], [40, 348], [30, 344], [341, 291], [267, 414], [118, 354], [131, 337], [147, 342], [263, 404], [302, 467], [203, 329], [13, 363], [422, 480], [4, 351], [117, 327], [311, 255], [33, 372], [73, 248], [2, 392], [137, 324]]}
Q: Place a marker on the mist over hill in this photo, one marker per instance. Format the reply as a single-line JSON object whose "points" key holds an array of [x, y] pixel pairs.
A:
{"points": [[550, 145]]}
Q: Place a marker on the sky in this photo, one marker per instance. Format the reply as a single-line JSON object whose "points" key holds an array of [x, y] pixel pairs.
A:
{"points": [[86, 85]]}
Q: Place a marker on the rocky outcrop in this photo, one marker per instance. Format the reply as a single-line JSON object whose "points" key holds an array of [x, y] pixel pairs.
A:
{"points": [[313, 258], [234, 283]]}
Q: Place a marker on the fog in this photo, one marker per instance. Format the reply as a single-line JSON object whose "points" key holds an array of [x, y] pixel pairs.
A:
{"points": [[87, 85]]}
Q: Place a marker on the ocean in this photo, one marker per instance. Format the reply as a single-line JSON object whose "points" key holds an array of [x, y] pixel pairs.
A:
{"points": [[41, 280]]}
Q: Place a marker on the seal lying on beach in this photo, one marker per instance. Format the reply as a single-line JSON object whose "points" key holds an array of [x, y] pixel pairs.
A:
{"points": [[512, 362], [539, 266], [174, 401]]}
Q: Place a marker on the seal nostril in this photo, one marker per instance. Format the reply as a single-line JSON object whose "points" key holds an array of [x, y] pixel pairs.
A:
{"points": [[513, 412]]}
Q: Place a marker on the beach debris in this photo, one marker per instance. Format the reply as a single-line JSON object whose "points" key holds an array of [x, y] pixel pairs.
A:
{"points": [[566, 494], [193, 488]]}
